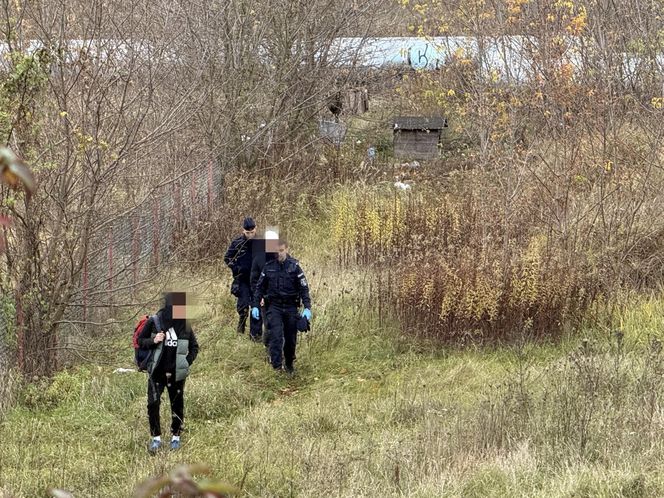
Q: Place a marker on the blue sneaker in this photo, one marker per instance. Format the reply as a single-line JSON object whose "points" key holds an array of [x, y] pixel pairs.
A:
{"points": [[155, 444], [175, 444]]}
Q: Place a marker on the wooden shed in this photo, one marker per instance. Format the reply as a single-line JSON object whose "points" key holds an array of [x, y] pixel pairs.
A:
{"points": [[356, 101], [349, 102], [418, 137]]}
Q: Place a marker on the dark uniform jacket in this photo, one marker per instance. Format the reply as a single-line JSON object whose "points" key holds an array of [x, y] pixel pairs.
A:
{"points": [[238, 258], [283, 284], [257, 266]]}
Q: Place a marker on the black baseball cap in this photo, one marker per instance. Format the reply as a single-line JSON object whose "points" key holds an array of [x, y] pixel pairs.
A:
{"points": [[249, 223]]}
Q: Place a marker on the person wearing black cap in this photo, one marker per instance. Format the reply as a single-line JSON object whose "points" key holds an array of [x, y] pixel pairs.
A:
{"points": [[264, 250], [283, 286], [173, 348], [257, 263], [238, 258]]}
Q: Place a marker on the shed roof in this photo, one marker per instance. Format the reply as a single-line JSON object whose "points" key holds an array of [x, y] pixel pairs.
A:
{"points": [[420, 123]]}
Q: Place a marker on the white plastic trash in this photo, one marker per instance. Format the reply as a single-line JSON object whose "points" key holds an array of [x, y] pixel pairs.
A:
{"points": [[124, 370]]}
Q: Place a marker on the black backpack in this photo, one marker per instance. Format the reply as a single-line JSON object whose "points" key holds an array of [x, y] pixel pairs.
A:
{"points": [[142, 356]]}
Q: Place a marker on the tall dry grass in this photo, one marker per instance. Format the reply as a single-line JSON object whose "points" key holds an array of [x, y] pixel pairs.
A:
{"points": [[526, 244]]}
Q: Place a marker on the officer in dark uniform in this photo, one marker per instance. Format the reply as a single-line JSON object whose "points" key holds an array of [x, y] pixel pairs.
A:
{"points": [[283, 286], [238, 258], [264, 250], [260, 257]]}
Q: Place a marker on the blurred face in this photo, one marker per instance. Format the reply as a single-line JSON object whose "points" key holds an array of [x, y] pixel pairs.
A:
{"points": [[283, 253], [271, 245], [250, 234], [178, 303], [179, 311]]}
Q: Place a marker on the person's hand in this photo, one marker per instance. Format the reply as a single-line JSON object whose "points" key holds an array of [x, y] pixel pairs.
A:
{"points": [[255, 313], [159, 337], [307, 313]]}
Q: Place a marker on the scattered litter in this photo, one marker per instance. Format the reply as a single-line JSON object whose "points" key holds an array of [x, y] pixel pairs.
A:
{"points": [[410, 166], [124, 370], [401, 185]]}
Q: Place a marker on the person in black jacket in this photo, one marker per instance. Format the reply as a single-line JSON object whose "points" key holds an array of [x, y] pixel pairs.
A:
{"points": [[257, 263], [263, 252], [238, 258], [174, 348], [282, 285]]}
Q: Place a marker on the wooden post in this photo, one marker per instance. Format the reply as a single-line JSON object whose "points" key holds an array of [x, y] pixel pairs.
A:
{"points": [[192, 194], [209, 192], [135, 251], [85, 288], [20, 332], [155, 233], [110, 259], [178, 206]]}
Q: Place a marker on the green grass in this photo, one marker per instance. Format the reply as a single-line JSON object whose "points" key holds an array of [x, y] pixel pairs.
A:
{"points": [[368, 414]]}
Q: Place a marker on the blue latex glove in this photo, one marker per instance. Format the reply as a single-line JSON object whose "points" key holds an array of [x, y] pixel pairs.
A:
{"points": [[255, 313], [307, 313]]}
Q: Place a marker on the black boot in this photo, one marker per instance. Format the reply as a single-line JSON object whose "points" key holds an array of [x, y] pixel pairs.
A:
{"points": [[242, 321]]}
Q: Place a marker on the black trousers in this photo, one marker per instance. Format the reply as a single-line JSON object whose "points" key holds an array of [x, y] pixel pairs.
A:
{"points": [[243, 302], [282, 324], [266, 330], [256, 326], [156, 386], [244, 296]]}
